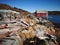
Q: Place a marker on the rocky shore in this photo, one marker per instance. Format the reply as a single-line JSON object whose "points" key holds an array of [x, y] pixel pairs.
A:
{"points": [[27, 29]]}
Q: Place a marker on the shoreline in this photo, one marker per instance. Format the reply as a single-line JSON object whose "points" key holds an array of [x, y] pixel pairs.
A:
{"points": [[54, 14], [56, 25]]}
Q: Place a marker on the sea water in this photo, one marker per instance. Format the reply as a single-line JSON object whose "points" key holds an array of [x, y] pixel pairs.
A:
{"points": [[54, 18]]}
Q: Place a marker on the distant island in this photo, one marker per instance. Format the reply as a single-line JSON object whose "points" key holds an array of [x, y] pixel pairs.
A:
{"points": [[54, 12]]}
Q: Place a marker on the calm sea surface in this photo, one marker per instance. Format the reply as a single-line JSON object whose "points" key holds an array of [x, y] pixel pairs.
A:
{"points": [[54, 18]]}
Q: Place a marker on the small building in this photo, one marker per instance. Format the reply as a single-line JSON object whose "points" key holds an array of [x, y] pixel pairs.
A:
{"points": [[41, 13]]}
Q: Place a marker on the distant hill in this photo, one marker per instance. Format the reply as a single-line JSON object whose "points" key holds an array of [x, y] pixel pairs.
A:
{"points": [[54, 12], [8, 7]]}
